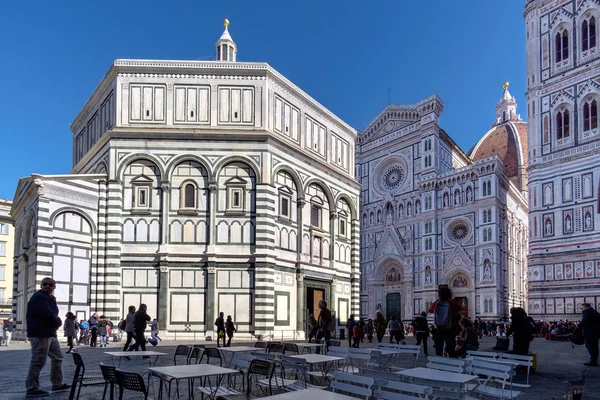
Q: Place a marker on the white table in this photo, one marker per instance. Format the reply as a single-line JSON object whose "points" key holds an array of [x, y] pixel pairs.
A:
{"points": [[178, 372], [310, 394], [431, 376], [227, 358], [129, 354], [324, 361], [310, 346]]}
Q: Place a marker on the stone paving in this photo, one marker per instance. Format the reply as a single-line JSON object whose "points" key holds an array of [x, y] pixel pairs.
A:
{"points": [[560, 368]]}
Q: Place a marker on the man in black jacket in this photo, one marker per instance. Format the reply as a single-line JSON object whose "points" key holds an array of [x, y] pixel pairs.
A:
{"points": [[140, 318], [590, 324], [42, 323]]}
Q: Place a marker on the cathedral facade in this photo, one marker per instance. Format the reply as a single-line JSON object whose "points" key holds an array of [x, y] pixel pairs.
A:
{"points": [[434, 215], [563, 95], [197, 187]]}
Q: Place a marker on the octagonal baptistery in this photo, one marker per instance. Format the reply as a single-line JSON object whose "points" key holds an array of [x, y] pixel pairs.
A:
{"points": [[198, 187]]}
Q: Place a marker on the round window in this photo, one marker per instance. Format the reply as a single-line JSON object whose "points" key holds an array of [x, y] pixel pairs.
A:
{"points": [[459, 231], [393, 177]]}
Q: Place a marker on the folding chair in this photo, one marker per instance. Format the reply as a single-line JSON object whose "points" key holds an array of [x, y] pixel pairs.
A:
{"points": [[181, 351], [446, 364], [214, 353], [81, 379], [110, 378], [395, 390], [131, 381], [297, 370], [495, 374], [352, 385]]}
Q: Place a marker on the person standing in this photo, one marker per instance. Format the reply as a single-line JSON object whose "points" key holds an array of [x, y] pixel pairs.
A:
{"points": [[7, 329], [220, 324], [396, 330], [379, 324], [129, 327], [84, 337], [229, 328], [590, 324], [42, 323], [102, 330], [522, 329], [422, 331], [325, 324], [370, 330], [93, 323], [140, 319], [350, 324], [70, 330], [311, 327], [446, 315]]}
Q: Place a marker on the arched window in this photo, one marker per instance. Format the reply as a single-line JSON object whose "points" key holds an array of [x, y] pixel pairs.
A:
{"points": [[189, 196], [590, 115], [588, 34], [562, 124]]}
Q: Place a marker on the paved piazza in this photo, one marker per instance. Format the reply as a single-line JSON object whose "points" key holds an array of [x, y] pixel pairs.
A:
{"points": [[560, 367]]}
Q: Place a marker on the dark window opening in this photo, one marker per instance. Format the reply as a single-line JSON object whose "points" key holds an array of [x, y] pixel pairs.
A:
{"points": [[190, 196], [315, 214], [285, 207]]}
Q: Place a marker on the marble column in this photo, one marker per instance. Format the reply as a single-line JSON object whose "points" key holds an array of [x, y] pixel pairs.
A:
{"points": [[163, 295], [165, 205], [210, 298], [212, 211], [300, 306]]}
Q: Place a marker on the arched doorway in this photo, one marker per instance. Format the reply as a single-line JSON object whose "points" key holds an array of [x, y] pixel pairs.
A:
{"points": [[461, 291], [393, 292]]}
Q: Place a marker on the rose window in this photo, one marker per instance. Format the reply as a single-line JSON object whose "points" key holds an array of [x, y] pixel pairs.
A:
{"points": [[393, 177], [459, 232]]}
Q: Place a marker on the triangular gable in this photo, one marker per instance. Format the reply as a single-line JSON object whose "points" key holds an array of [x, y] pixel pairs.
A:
{"points": [[236, 180], [141, 179], [562, 97], [588, 87], [286, 190], [390, 243], [582, 5], [458, 258], [560, 16]]}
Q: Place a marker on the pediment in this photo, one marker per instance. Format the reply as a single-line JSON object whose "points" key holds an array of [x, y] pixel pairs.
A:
{"points": [[236, 180], [559, 17], [562, 97], [459, 258], [588, 87], [141, 179], [390, 244]]}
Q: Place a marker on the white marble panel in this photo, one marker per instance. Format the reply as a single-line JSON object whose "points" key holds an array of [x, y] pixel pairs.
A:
{"points": [[196, 307], [235, 279], [236, 111], [80, 293], [295, 124], [61, 292], [227, 304], [282, 311], [147, 103], [151, 301], [180, 109], [201, 232], [175, 279], [141, 278], [236, 232], [179, 307], [247, 279], [152, 278], [188, 232], [142, 231], [223, 278], [287, 119], [247, 104], [191, 111], [199, 283], [203, 105], [188, 277], [176, 232], [81, 270], [154, 231], [278, 123], [159, 104], [128, 277], [61, 268], [223, 232], [224, 105], [136, 96], [242, 308]]}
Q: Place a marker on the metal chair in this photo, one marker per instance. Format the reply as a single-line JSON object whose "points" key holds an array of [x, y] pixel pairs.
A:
{"points": [[196, 356], [110, 378], [213, 352], [81, 379], [290, 348], [181, 351], [257, 368], [261, 345], [131, 381], [354, 385], [276, 348]]}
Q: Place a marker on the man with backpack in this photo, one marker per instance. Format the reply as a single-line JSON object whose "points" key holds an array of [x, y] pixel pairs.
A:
{"points": [[446, 313]]}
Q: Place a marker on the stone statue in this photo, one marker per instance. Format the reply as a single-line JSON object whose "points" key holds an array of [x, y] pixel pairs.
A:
{"points": [[456, 197], [427, 275], [548, 227], [588, 221], [469, 194], [445, 200], [568, 224], [487, 271]]}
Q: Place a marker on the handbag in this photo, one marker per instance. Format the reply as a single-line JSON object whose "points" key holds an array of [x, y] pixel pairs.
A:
{"points": [[577, 337]]}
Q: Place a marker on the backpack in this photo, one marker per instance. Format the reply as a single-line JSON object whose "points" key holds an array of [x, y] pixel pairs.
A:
{"points": [[531, 327], [577, 337], [122, 325], [443, 315], [356, 331]]}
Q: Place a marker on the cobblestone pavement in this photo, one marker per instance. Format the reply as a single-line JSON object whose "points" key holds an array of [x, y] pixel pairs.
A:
{"points": [[560, 368]]}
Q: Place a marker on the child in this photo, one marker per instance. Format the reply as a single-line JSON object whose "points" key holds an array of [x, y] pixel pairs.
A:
{"points": [[102, 330], [70, 331], [357, 333], [229, 328], [154, 333]]}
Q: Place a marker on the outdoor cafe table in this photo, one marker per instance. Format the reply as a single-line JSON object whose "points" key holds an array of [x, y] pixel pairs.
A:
{"points": [[120, 354], [324, 361], [307, 347], [431, 376], [314, 394], [178, 372], [227, 358]]}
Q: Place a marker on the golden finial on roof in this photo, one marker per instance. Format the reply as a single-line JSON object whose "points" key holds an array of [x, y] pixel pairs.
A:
{"points": [[505, 86], [226, 22]]}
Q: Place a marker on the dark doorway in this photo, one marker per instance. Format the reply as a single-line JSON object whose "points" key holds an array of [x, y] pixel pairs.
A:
{"points": [[464, 306], [313, 296], [393, 306]]}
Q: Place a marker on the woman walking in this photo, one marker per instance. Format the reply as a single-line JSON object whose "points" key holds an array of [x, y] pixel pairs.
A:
{"points": [[422, 331], [229, 329], [70, 331], [396, 330]]}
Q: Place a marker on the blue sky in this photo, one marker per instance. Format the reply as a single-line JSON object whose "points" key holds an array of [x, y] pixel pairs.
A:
{"points": [[344, 53]]}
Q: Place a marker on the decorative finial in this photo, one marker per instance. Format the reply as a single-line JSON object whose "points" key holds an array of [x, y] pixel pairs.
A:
{"points": [[505, 86], [226, 22]]}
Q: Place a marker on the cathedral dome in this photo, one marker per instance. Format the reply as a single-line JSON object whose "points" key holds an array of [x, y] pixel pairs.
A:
{"points": [[508, 140]]}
